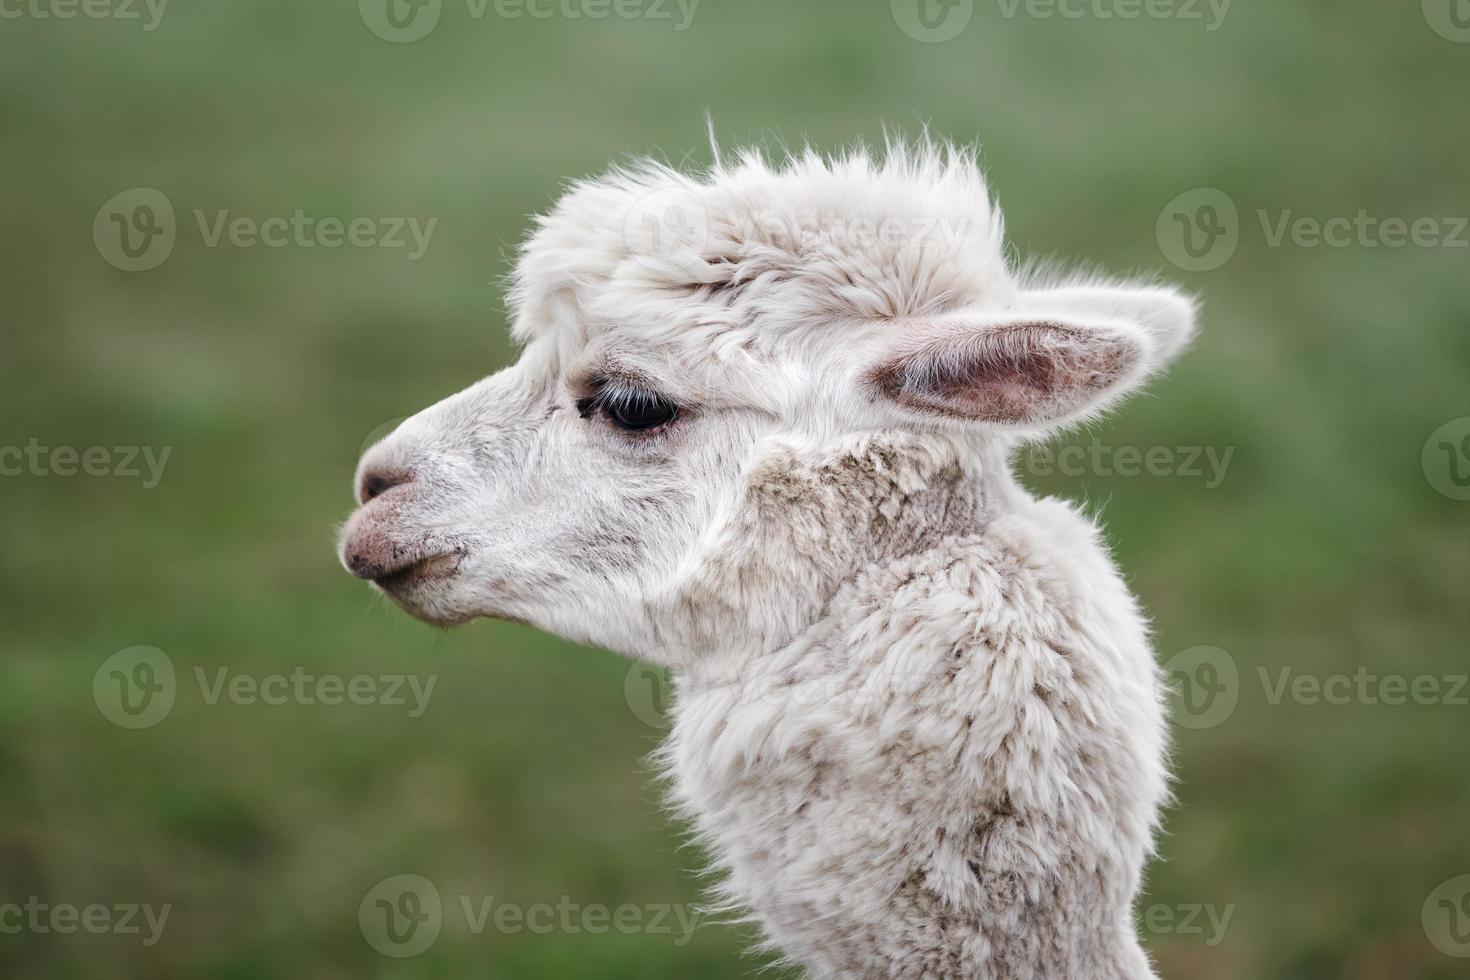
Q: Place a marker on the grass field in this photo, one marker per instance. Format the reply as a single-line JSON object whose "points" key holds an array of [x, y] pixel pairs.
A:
{"points": [[1312, 834]]}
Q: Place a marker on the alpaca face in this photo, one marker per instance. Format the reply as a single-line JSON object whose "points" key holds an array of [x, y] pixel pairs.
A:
{"points": [[564, 497], [669, 382]]}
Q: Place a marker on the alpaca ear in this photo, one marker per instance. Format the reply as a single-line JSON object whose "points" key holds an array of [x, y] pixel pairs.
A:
{"points": [[1164, 314], [1027, 373], [1057, 355]]}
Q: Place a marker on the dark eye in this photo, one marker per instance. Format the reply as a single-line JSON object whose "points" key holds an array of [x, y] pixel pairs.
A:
{"points": [[639, 410], [633, 409]]}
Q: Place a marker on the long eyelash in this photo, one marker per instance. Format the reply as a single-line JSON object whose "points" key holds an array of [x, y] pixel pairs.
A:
{"points": [[608, 390]]}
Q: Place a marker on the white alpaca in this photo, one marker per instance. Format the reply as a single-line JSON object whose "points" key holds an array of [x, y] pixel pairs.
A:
{"points": [[759, 435]]}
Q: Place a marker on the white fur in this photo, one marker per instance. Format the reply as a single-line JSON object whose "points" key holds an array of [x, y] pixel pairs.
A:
{"points": [[918, 721]]}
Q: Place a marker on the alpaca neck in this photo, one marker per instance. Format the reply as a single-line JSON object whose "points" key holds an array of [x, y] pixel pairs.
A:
{"points": [[934, 774], [809, 527]]}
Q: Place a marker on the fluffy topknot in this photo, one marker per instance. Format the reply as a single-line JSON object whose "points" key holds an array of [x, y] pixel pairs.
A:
{"points": [[765, 241]]}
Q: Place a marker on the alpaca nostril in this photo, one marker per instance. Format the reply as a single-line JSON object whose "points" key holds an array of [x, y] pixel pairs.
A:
{"points": [[377, 482]]}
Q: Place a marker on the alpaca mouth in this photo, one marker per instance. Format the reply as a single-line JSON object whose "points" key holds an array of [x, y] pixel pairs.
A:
{"points": [[428, 569]]}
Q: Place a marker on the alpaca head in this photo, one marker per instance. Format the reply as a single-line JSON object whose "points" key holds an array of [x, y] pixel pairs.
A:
{"points": [[696, 350]]}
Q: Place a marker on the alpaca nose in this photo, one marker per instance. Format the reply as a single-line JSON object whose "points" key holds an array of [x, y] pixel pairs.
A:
{"points": [[378, 480]]}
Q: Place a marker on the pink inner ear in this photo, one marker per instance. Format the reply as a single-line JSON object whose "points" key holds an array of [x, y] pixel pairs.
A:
{"points": [[1019, 374]]}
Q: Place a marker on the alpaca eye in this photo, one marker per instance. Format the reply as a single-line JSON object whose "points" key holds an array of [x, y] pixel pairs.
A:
{"points": [[638, 410], [629, 408]]}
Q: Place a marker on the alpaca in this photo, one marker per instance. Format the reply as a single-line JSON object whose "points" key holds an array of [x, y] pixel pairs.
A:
{"points": [[760, 435]]}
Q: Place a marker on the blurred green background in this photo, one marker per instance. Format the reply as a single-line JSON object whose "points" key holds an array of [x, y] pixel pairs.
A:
{"points": [[1323, 829]]}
